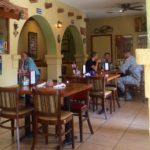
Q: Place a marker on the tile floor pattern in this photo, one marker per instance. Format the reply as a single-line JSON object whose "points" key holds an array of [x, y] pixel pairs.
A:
{"points": [[126, 129]]}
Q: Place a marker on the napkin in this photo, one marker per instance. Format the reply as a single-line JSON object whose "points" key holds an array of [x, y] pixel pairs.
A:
{"points": [[87, 74], [59, 86], [41, 84]]}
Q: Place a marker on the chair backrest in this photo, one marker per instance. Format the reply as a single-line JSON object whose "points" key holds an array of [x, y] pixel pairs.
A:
{"points": [[8, 98], [47, 103], [98, 83]]}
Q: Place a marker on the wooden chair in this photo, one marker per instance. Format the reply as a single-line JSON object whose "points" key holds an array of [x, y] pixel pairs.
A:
{"points": [[136, 88], [98, 92], [112, 86], [80, 108], [80, 105], [48, 112], [11, 111]]}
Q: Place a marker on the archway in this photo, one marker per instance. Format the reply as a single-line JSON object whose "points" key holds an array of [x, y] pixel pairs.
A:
{"points": [[71, 46], [46, 45], [71, 43], [45, 31]]}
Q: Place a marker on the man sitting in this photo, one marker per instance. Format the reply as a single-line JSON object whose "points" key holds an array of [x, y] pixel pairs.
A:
{"points": [[130, 74], [27, 64]]}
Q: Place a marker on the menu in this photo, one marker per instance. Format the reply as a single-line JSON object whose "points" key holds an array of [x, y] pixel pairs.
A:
{"points": [[32, 77]]}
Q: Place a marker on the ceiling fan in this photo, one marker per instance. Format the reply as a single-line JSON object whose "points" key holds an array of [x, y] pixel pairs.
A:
{"points": [[123, 7]]}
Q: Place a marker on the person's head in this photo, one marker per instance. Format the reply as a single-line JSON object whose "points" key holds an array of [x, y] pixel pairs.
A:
{"points": [[24, 55], [94, 56], [126, 53], [107, 56]]}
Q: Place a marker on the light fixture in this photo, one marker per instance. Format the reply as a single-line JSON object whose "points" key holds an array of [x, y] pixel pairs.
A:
{"points": [[15, 28], [59, 24], [121, 10]]}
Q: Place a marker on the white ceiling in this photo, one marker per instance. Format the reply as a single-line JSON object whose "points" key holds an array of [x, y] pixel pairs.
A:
{"points": [[99, 8]]}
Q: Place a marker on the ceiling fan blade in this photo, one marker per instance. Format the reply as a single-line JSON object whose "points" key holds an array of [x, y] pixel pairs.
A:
{"points": [[109, 12], [136, 9], [135, 3], [136, 6]]}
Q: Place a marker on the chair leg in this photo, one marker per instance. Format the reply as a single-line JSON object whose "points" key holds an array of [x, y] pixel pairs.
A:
{"points": [[81, 127], [56, 131], [46, 134], [17, 134], [96, 103], [60, 147], [114, 98], [117, 100], [126, 90], [12, 126], [104, 106], [93, 104], [89, 123], [72, 133], [34, 134], [111, 100]]}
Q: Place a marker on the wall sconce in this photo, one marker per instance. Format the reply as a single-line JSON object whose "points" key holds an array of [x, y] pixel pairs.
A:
{"points": [[15, 28], [59, 24]]}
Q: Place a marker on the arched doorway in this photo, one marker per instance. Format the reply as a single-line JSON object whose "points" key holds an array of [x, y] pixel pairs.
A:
{"points": [[40, 25], [37, 27], [71, 46]]}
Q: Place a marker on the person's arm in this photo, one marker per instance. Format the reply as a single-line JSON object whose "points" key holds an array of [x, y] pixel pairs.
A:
{"points": [[95, 67]]}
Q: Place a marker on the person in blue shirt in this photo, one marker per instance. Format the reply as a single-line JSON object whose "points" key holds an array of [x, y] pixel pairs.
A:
{"points": [[92, 63], [27, 64], [130, 73]]}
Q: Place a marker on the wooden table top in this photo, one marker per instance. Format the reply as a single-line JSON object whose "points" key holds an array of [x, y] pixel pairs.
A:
{"points": [[108, 76], [69, 90]]}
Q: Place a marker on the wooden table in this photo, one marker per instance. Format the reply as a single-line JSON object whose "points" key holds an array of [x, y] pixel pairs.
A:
{"points": [[70, 89], [108, 77]]}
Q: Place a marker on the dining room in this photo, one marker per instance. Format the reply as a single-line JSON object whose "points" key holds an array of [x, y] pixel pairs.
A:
{"points": [[50, 99]]}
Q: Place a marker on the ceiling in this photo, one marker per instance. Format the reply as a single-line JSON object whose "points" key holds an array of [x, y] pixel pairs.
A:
{"points": [[100, 8]]}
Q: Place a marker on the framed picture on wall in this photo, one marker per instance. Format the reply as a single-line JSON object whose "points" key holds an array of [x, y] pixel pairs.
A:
{"points": [[4, 31], [123, 42], [32, 44]]}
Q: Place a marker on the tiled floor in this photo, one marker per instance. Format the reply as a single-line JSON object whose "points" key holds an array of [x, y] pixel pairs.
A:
{"points": [[126, 129]]}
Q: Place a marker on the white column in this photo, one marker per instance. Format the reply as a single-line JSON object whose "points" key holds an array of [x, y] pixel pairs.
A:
{"points": [[142, 57], [54, 64]]}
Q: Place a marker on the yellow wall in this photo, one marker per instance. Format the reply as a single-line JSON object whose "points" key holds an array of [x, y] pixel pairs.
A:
{"points": [[52, 17], [123, 25]]}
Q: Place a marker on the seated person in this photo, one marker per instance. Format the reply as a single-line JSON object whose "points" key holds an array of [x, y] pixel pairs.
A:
{"points": [[131, 73], [107, 59], [92, 63], [27, 64]]}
